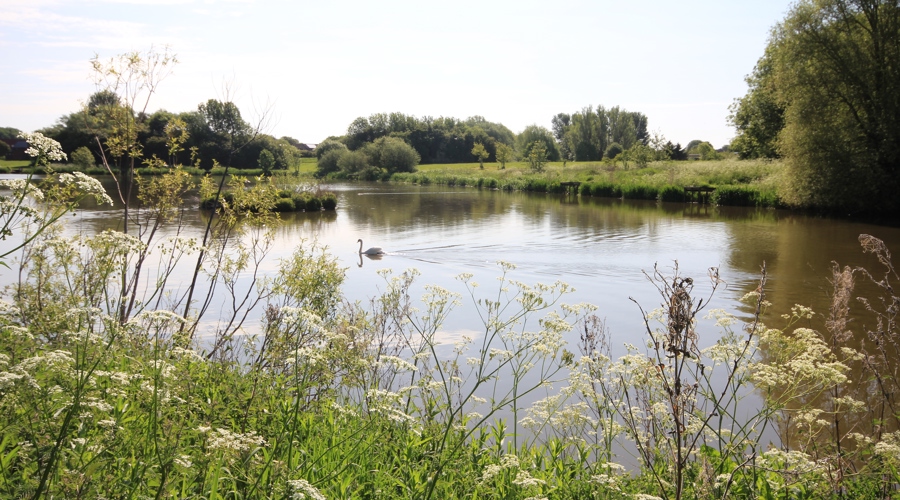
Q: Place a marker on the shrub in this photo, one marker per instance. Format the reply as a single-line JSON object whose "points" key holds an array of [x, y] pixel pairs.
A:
{"points": [[329, 201], [735, 196], [328, 163], [671, 193], [313, 204], [613, 150], [639, 192], [284, 205], [83, 158]]}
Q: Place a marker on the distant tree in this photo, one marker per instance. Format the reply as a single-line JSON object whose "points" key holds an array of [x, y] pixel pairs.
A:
{"points": [[480, 153], [504, 154], [674, 151], [534, 133], [83, 158], [9, 132], [393, 155], [707, 152], [560, 124], [293, 142], [266, 162], [537, 156], [329, 145], [328, 163], [613, 150], [5, 149], [102, 99], [641, 155], [692, 145], [353, 162]]}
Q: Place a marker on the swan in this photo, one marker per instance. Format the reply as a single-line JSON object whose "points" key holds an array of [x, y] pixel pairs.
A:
{"points": [[371, 251]]}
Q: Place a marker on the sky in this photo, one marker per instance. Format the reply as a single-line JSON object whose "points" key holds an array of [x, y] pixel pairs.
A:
{"points": [[312, 67]]}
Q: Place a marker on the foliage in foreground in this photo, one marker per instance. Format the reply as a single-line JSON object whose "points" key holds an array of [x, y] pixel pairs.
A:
{"points": [[108, 393]]}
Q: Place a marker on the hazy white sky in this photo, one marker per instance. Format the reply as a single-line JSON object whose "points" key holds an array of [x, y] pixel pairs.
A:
{"points": [[322, 63]]}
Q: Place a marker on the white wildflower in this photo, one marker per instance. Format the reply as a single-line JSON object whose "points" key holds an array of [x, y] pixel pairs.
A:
{"points": [[301, 489], [223, 439], [397, 363], [524, 479]]}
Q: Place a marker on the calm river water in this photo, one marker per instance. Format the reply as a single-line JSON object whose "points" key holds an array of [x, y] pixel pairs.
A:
{"points": [[599, 246]]}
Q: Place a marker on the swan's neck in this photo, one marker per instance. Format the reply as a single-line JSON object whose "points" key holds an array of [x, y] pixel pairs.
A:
{"points": [[360, 246]]}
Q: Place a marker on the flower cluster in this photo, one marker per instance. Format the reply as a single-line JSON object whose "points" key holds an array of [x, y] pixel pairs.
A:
{"points": [[42, 149]]}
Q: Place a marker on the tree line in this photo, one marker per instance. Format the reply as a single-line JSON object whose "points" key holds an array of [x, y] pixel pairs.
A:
{"points": [[214, 133], [374, 147], [591, 134]]}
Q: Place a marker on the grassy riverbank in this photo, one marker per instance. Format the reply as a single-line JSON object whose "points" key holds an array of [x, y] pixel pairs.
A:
{"points": [[736, 183]]}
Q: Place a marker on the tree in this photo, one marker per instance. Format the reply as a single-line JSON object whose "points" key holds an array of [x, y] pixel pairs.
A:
{"points": [[560, 124], [9, 132], [393, 155], [480, 153], [537, 156], [834, 71], [329, 145], [504, 154], [674, 151], [758, 117], [535, 134], [328, 163], [83, 158], [266, 162], [613, 150], [641, 155], [353, 162], [706, 151], [5, 149]]}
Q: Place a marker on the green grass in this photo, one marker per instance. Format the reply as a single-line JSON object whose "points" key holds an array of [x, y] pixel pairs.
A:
{"points": [[758, 180]]}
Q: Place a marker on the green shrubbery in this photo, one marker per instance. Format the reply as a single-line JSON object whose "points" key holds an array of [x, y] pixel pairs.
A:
{"points": [[285, 201]]}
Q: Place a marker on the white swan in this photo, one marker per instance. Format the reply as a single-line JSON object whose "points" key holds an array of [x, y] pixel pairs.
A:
{"points": [[371, 251]]}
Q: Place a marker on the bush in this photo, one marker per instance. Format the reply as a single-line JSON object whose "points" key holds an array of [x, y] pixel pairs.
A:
{"points": [[329, 201], [313, 204], [83, 158], [671, 193], [328, 163], [329, 145], [353, 162], [284, 205], [394, 155], [613, 150], [743, 196], [639, 192]]}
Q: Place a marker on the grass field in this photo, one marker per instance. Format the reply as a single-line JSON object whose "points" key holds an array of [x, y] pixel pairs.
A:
{"points": [[742, 183]]}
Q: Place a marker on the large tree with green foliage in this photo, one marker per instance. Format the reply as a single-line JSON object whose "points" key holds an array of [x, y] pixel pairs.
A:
{"points": [[534, 134], [758, 117], [834, 70]]}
